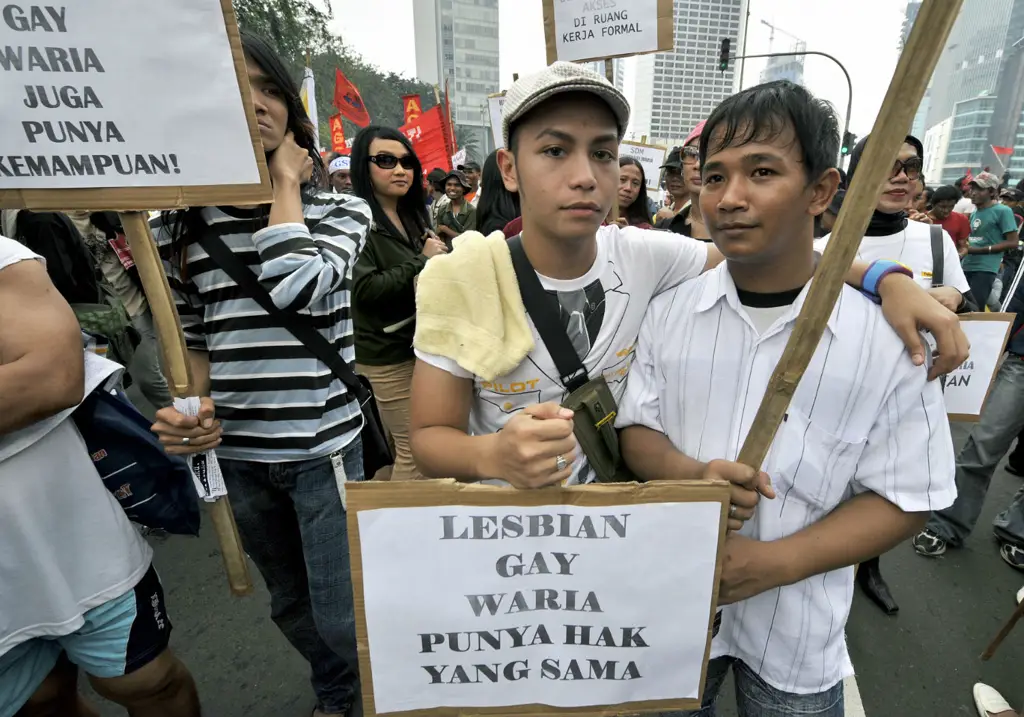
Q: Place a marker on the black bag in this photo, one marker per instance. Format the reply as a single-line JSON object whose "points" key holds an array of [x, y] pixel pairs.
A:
{"points": [[154, 489], [376, 451], [939, 264], [591, 400]]}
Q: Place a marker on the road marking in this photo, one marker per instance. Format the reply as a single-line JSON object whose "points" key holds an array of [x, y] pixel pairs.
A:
{"points": [[851, 698]]}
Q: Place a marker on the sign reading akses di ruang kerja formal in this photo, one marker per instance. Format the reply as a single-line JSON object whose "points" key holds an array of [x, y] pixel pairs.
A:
{"points": [[474, 606]]}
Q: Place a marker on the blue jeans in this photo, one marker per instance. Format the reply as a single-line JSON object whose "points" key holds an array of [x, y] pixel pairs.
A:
{"points": [[294, 529], [1001, 420], [756, 698], [981, 285]]}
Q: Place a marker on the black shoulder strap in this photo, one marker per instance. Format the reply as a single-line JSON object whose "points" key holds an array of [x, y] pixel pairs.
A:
{"points": [[544, 310], [937, 254], [296, 324]]}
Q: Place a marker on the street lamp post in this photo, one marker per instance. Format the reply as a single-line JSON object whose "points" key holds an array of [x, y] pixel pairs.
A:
{"points": [[849, 84]]}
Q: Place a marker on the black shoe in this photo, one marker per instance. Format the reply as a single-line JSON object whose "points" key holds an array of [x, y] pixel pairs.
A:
{"points": [[869, 577]]}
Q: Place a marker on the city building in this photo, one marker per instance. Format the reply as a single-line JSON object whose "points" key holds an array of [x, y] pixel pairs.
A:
{"points": [[1007, 116], [919, 126], [618, 71], [676, 90], [968, 138], [909, 18], [786, 68], [457, 41], [936, 146], [970, 62]]}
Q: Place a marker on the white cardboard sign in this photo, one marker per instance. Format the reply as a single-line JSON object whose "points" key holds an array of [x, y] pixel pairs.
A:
{"points": [[120, 93], [588, 29], [560, 605], [966, 388], [651, 158], [495, 103]]}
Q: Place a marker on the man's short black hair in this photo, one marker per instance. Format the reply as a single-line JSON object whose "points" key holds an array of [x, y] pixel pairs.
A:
{"points": [[764, 112], [946, 193]]}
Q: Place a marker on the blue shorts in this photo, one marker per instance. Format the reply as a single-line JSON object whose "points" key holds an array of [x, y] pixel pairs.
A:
{"points": [[118, 637]]}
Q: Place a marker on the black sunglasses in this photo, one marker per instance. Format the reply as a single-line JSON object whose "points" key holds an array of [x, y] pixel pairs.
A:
{"points": [[390, 161], [691, 152], [912, 167]]}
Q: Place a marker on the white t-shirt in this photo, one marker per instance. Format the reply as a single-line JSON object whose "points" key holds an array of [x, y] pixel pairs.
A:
{"points": [[912, 247], [66, 546], [602, 310]]}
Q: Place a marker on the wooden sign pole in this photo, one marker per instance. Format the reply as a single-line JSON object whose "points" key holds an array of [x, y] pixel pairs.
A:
{"points": [[179, 378], [1018, 613], [932, 27]]}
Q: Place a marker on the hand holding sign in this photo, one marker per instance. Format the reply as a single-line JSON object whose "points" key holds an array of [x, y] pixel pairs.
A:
{"points": [[528, 448]]}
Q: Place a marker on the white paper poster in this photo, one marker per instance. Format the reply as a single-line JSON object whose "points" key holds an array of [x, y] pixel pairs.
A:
{"points": [[494, 106], [651, 158], [966, 388], [560, 605], [585, 29], [120, 93]]}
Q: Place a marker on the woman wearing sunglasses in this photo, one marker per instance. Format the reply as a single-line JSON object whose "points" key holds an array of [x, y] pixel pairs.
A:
{"points": [[387, 174]]}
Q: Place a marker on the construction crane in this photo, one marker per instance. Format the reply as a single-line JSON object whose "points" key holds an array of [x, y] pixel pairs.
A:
{"points": [[771, 37]]}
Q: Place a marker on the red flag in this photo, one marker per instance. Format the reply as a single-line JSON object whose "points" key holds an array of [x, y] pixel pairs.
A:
{"points": [[337, 135], [348, 101], [1002, 150], [427, 135], [413, 107], [449, 125]]}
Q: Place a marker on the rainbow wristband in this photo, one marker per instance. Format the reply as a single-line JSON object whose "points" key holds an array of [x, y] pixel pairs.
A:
{"points": [[877, 271]]}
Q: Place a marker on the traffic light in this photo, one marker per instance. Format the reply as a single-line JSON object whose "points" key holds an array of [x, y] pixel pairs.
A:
{"points": [[849, 139], [723, 55]]}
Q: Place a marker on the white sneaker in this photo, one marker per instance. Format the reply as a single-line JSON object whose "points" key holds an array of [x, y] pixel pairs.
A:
{"points": [[989, 702], [1020, 596]]}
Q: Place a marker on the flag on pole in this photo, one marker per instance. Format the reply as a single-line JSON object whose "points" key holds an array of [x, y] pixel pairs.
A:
{"points": [[348, 101], [413, 107], [337, 135], [1001, 153], [308, 94], [427, 135]]}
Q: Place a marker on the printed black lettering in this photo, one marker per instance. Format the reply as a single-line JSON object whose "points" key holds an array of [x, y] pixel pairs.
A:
{"points": [[491, 602], [436, 673]]}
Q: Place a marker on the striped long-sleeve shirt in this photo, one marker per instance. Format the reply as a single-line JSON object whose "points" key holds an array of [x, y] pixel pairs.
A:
{"points": [[277, 402]]}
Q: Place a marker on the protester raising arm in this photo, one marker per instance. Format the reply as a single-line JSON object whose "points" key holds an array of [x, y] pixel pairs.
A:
{"points": [[301, 266], [42, 371]]}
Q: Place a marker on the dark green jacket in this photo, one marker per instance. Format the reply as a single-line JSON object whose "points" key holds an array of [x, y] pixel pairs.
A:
{"points": [[384, 300]]}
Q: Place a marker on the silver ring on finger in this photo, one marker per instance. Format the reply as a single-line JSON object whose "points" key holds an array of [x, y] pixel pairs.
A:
{"points": [[732, 511], [560, 463], [185, 441]]}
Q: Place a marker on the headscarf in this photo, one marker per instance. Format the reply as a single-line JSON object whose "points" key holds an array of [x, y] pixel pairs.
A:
{"points": [[883, 224]]}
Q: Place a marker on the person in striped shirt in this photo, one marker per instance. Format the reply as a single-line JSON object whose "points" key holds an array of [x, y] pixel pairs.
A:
{"points": [[864, 452], [285, 428]]}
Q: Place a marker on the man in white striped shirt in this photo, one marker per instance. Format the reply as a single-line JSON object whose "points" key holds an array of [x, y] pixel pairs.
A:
{"points": [[864, 452]]}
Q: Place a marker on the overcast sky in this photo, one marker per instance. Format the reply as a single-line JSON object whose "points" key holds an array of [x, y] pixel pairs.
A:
{"points": [[864, 40]]}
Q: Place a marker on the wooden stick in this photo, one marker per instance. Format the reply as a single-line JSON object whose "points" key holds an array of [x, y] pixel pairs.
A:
{"points": [[179, 378], [1018, 613], [932, 26]]}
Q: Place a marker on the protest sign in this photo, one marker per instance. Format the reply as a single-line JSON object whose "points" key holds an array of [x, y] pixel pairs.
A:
{"points": [[579, 30], [156, 115], [554, 601], [494, 106], [650, 156], [966, 388]]}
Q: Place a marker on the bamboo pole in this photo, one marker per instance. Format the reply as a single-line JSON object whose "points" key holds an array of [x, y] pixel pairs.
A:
{"points": [[179, 379], [928, 37], [1018, 613]]}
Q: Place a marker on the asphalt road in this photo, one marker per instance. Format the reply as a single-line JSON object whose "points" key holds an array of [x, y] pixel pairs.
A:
{"points": [[920, 663]]}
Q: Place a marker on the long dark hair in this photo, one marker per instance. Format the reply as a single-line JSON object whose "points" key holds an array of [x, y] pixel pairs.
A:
{"points": [[497, 206], [186, 225], [412, 207], [637, 212]]}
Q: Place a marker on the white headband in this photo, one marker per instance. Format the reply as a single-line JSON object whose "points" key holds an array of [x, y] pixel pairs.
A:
{"points": [[339, 164]]}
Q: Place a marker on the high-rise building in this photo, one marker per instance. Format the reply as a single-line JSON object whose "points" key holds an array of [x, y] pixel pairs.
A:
{"points": [[1009, 109], [967, 138], [457, 41], [909, 18], [676, 90], [970, 62], [786, 68], [936, 145], [618, 71]]}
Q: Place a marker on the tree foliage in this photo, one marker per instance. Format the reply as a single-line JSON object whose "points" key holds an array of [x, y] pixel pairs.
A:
{"points": [[300, 27]]}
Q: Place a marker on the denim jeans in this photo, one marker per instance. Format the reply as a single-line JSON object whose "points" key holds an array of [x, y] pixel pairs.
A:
{"points": [[981, 285], [145, 365], [1002, 418], [756, 698], [294, 529]]}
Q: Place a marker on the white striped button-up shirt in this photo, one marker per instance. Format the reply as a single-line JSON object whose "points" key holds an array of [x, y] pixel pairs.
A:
{"points": [[863, 418]]}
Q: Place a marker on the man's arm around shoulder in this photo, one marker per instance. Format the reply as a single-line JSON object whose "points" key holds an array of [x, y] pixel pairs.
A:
{"points": [[42, 365]]}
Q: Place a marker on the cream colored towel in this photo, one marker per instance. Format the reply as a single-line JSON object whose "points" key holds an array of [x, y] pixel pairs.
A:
{"points": [[468, 307]]}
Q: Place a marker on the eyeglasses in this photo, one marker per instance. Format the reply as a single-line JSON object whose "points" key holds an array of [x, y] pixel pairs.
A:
{"points": [[690, 152], [912, 167], [390, 161]]}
